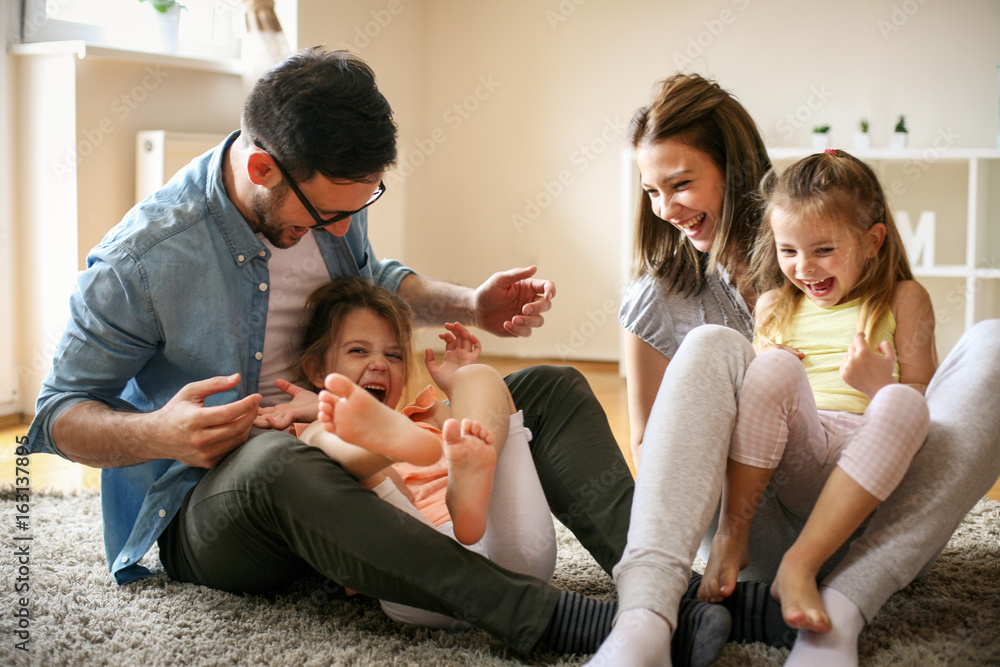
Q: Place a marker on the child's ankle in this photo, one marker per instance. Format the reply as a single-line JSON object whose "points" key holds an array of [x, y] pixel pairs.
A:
{"points": [[802, 561]]}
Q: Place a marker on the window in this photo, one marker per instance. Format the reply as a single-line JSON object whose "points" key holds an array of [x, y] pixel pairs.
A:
{"points": [[205, 28]]}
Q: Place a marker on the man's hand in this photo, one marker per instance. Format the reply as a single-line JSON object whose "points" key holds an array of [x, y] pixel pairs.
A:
{"points": [[94, 434], [185, 430], [511, 303], [304, 407], [461, 349]]}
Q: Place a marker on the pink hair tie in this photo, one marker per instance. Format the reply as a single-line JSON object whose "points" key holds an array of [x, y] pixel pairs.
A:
{"points": [[831, 151]]}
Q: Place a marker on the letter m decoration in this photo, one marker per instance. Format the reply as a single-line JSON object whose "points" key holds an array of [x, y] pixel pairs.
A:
{"points": [[919, 242]]}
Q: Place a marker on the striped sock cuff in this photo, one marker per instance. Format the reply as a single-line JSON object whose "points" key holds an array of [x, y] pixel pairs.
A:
{"points": [[579, 624]]}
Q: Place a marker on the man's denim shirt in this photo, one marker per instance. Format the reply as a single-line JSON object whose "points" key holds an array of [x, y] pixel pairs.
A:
{"points": [[177, 292]]}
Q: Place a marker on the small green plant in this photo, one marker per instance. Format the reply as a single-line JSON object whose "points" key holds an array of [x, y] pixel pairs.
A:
{"points": [[901, 125], [163, 6], [821, 129], [863, 124]]}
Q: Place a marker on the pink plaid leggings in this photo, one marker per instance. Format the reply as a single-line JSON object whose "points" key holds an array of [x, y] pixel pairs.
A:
{"points": [[778, 427]]}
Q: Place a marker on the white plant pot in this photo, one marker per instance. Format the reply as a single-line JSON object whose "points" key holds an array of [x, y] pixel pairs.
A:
{"points": [[862, 140], [899, 140], [170, 22], [821, 140]]}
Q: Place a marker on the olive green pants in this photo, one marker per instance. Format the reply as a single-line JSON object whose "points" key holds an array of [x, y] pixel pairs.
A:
{"points": [[277, 509]]}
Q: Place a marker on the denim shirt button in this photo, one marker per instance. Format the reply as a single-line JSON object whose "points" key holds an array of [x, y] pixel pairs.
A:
{"points": [[262, 253], [162, 513], [239, 258], [258, 356], [263, 287], [124, 559]]}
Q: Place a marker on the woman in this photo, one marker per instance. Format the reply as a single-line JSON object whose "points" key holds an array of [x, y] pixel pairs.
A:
{"points": [[700, 159]]}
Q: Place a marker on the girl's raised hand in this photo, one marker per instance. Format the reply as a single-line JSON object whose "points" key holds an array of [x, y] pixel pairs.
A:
{"points": [[303, 407], [461, 349], [865, 369]]}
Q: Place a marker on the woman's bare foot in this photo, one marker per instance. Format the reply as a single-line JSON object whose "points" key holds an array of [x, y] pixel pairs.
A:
{"points": [[795, 588], [472, 460], [357, 417], [729, 555]]}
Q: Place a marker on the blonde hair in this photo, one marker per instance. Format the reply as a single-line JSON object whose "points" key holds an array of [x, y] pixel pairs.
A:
{"points": [[330, 304], [698, 112], [833, 186]]}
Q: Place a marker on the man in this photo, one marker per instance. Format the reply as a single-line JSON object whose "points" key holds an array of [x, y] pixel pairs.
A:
{"points": [[189, 305]]}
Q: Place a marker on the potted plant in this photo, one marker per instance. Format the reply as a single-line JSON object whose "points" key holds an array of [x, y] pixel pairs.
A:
{"points": [[169, 14], [862, 140], [821, 137], [899, 134], [163, 6]]}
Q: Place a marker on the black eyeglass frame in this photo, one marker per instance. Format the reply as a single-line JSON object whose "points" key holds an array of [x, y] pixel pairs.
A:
{"points": [[320, 222]]}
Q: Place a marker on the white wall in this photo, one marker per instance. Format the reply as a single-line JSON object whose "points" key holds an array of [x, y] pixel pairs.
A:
{"points": [[498, 102], [390, 35]]}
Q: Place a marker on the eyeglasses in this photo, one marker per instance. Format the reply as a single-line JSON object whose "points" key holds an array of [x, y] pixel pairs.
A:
{"points": [[320, 222]]}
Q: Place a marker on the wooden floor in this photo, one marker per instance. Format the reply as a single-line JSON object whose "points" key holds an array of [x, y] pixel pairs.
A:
{"points": [[55, 473]]}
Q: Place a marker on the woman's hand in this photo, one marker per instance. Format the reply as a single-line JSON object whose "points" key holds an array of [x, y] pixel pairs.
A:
{"points": [[303, 407]]}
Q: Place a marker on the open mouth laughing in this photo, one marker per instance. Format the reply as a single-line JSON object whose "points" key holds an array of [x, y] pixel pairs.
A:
{"points": [[377, 390], [818, 288], [691, 226]]}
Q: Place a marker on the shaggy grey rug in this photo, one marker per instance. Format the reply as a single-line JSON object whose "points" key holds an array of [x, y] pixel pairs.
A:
{"points": [[78, 616]]}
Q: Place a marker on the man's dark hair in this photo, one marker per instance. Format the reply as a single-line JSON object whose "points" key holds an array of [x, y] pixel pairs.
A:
{"points": [[320, 111]]}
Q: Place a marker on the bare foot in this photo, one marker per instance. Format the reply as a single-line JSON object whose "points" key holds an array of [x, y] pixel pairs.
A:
{"points": [[795, 588], [471, 462], [729, 555], [357, 417]]}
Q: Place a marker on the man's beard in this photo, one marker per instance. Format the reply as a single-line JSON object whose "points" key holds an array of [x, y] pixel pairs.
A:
{"points": [[265, 207]]}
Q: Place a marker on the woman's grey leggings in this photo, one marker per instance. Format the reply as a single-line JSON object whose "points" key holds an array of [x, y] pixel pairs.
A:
{"points": [[684, 458]]}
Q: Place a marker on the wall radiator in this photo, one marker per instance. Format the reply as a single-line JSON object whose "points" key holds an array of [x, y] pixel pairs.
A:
{"points": [[159, 154]]}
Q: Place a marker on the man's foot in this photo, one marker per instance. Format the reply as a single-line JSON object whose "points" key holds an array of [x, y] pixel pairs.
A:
{"points": [[701, 634], [795, 588], [356, 417], [472, 460], [729, 555], [756, 616]]}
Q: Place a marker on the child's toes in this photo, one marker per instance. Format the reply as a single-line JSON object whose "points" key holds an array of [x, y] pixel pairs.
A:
{"points": [[338, 385], [477, 430], [451, 431]]}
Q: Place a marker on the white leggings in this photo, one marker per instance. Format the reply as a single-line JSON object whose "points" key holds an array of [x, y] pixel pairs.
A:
{"points": [[520, 535], [778, 426]]}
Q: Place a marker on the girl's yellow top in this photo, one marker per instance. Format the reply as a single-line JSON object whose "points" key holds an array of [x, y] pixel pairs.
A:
{"points": [[824, 335]]}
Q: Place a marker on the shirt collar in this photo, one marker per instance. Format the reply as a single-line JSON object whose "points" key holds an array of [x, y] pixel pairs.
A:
{"points": [[242, 242]]}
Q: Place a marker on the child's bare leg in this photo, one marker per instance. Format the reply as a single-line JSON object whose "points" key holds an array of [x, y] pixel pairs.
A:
{"points": [[355, 416], [744, 489], [481, 403], [472, 460], [842, 505], [478, 392]]}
